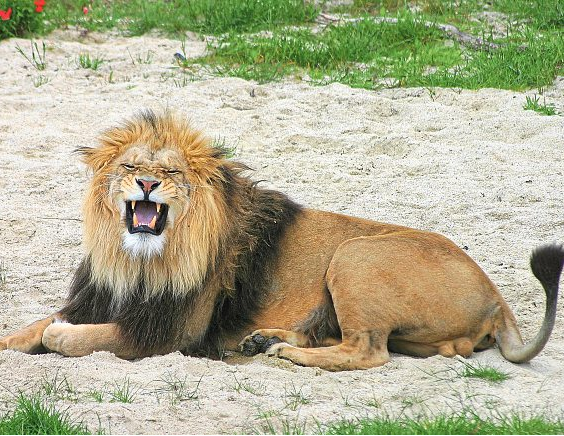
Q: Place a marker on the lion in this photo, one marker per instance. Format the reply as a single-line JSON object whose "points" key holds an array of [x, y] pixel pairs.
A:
{"points": [[184, 252]]}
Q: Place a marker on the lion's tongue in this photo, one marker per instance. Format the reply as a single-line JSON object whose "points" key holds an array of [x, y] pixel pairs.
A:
{"points": [[146, 212]]}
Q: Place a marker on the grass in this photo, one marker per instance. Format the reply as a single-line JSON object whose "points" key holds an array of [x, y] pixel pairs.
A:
{"points": [[85, 61], [136, 17], [97, 396], [295, 397], [37, 57], [3, 274], [40, 80], [32, 416], [123, 393], [277, 424], [544, 14], [484, 372], [268, 40], [369, 54], [179, 390], [59, 387], [533, 104], [139, 59], [257, 388], [448, 424]]}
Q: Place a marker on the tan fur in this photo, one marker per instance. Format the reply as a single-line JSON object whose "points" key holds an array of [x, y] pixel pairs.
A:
{"points": [[392, 287]]}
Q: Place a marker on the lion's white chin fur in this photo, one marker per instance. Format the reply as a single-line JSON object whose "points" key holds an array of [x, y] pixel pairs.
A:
{"points": [[143, 244]]}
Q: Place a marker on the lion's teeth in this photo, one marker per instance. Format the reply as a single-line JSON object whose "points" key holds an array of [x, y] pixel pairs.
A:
{"points": [[135, 220], [158, 207], [133, 203], [153, 222]]}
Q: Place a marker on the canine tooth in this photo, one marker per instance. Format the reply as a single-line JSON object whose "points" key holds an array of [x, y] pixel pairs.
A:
{"points": [[153, 222], [158, 207], [135, 220], [133, 203]]}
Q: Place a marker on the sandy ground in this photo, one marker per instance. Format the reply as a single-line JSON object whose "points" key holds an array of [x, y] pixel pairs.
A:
{"points": [[472, 165]]}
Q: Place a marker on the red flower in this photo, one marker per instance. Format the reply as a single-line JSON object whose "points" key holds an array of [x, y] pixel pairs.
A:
{"points": [[5, 15], [39, 5], [85, 10]]}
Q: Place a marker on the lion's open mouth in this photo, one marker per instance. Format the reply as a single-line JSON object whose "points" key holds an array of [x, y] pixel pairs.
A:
{"points": [[145, 217]]}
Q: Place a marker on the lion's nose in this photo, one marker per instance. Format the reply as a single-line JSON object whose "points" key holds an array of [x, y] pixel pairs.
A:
{"points": [[147, 185]]}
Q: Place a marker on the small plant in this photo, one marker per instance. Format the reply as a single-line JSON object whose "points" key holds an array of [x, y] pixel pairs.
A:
{"points": [[281, 425], [182, 81], [38, 57], [123, 393], [3, 275], [31, 416], [40, 80], [85, 61], [371, 401], [229, 151], [178, 389], [295, 397], [139, 59], [111, 77], [483, 372], [59, 387], [97, 396], [533, 104], [256, 388]]}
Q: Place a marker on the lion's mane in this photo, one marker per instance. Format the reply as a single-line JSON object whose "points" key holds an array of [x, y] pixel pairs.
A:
{"points": [[221, 250]]}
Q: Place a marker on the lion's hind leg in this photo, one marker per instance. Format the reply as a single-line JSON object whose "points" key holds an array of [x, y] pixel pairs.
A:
{"points": [[462, 347], [358, 350]]}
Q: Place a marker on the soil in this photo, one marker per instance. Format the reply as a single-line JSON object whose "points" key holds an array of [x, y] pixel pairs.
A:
{"points": [[472, 165]]}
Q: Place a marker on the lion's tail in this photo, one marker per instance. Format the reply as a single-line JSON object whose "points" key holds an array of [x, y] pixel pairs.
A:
{"points": [[546, 262]]}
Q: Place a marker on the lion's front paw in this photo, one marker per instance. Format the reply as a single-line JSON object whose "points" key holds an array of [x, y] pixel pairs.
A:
{"points": [[3, 344], [57, 336], [256, 343]]}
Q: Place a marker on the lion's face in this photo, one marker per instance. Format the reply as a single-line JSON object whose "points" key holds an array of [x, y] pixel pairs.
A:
{"points": [[156, 205], [150, 189]]}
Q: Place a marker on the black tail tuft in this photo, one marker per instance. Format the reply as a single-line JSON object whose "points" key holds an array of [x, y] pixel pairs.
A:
{"points": [[546, 263]]}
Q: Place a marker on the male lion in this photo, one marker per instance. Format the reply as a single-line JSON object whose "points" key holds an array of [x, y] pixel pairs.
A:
{"points": [[185, 253]]}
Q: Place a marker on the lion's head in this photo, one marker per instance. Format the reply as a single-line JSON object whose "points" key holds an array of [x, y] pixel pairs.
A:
{"points": [[156, 205]]}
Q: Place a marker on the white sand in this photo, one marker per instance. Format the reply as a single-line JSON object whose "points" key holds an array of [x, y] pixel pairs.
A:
{"points": [[472, 165]]}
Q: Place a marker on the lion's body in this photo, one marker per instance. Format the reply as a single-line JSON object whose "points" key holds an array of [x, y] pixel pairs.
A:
{"points": [[185, 253]]}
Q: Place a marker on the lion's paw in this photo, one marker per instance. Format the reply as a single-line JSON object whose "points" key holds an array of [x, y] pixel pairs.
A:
{"points": [[3, 345], [256, 343], [54, 336]]}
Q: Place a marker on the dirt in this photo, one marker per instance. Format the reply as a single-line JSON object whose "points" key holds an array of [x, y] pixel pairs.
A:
{"points": [[472, 165]]}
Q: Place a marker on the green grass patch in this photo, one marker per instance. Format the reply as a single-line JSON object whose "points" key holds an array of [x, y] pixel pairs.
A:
{"points": [[359, 54], [369, 54], [544, 14], [32, 416], [484, 372], [448, 424], [534, 104], [267, 40], [177, 16]]}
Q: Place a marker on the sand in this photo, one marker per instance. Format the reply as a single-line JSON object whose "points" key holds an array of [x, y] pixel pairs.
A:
{"points": [[472, 165]]}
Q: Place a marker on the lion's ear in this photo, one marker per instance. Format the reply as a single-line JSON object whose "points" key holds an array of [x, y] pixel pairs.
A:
{"points": [[96, 157]]}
